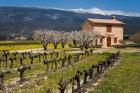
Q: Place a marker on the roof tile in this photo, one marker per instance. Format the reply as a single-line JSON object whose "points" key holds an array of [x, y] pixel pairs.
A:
{"points": [[105, 21]]}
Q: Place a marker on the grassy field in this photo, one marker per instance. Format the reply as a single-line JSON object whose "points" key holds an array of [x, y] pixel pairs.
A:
{"points": [[5, 43], [19, 45], [124, 78], [22, 45]]}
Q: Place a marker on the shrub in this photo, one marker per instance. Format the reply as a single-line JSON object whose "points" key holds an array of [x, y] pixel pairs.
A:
{"points": [[135, 37], [98, 46], [119, 46], [134, 45]]}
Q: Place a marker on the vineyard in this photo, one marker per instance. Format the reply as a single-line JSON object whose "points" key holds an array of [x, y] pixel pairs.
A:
{"points": [[25, 72], [60, 68], [42, 77]]}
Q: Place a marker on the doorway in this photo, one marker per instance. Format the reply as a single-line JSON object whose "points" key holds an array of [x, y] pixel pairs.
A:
{"points": [[108, 41]]}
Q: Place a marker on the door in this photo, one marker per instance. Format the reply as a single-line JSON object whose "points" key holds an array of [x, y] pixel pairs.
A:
{"points": [[108, 41]]}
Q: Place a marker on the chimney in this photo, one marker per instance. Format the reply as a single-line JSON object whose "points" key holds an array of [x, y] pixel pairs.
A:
{"points": [[113, 17]]}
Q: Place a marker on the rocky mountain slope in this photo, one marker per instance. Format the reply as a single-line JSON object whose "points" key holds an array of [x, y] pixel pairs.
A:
{"points": [[27, 19]]}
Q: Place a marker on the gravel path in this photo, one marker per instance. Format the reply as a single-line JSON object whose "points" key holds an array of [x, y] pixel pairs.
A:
{"points": [[37, 50], [41, 50]]}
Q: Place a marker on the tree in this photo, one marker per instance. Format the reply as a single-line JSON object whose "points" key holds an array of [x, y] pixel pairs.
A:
{"points": [[43, 37], [55, 38], [64, 38], [46, 37], [83, 39], [135, 37]]}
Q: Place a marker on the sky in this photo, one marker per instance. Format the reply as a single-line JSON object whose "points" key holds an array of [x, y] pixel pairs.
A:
{"points": [[121, 5]]}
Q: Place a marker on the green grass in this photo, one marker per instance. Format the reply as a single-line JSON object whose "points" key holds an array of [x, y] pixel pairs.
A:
{"points": [[124, 78]]}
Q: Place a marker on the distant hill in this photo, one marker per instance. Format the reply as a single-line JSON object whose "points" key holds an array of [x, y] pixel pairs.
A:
{"points": [[25, 20]]}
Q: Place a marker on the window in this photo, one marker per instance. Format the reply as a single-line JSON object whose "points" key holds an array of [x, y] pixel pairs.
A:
{"points": [[109, 28], [115, 40]]}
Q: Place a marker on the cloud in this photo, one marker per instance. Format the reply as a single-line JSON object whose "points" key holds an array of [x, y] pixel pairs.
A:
{"points": [[96, 10]]}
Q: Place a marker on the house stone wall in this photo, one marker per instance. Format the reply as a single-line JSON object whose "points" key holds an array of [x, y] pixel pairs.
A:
{"points": [[87, 26], [117, 32]]}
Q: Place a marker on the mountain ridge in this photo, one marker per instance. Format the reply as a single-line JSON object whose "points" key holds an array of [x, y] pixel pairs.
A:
{"points": [[25, 20]]}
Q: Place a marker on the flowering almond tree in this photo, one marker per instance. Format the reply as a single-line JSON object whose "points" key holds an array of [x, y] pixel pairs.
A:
{"points": [[42, 36], [64, 38], [48, 36], [82, 38]]}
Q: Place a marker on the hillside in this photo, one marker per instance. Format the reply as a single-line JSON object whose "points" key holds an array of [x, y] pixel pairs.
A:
{"points": [[26, 20]]}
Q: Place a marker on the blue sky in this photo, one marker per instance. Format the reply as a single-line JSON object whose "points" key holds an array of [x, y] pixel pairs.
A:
{"points": [[123, 5]]}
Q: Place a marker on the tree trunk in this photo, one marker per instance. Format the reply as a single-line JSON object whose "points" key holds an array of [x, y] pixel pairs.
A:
{"points": [[55, 45], [74, 43], [63, 45]]}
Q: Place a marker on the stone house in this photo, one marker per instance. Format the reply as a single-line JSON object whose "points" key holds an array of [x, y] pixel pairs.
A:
{"points": [[20, 37], [111, 31]]}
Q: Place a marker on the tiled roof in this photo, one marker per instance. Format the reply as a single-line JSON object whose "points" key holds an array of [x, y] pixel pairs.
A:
{"points": [[105, 21]]}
